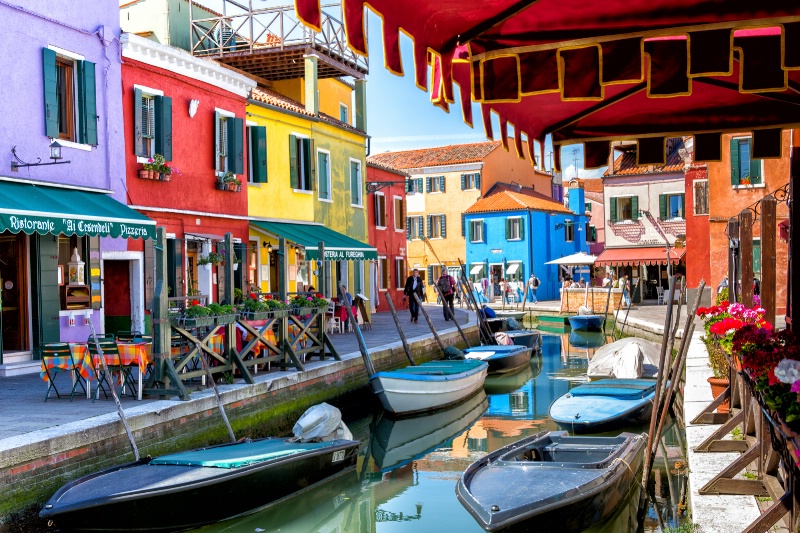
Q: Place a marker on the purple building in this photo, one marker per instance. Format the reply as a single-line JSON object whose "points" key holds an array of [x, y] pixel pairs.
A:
{"points": [[62, 86]]}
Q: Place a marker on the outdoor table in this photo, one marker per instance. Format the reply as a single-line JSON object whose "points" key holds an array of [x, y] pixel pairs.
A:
{"points": [[139, 353]]}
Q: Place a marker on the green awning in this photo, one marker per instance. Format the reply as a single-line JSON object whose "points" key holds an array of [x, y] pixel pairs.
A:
{"points": [[338, 247], [43, 209]]}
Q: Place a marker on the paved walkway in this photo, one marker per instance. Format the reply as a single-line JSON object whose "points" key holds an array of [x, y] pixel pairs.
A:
{"points": [[23, 409]]}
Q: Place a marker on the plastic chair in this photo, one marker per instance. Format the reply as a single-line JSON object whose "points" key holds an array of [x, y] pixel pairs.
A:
{"points": [[660, 293], [60, 349]]}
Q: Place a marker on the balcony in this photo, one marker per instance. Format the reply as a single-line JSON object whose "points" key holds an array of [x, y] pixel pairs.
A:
{"points": [[271, 42]]}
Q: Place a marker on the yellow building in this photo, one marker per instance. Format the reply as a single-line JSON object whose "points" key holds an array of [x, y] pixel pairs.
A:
{"points": [[444, 182]]}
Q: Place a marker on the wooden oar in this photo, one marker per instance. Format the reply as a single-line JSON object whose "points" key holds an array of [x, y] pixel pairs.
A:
{"points": [[450, 314]]}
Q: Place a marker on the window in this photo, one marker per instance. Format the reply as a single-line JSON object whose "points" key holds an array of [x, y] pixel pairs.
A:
{"points": [[437, 228], [470, 181], [414, 185], [69, 97], [591, 233], [671, 206], [257, 154], [66, 246], [344, 116], [383, 273], [229, 145], [588, 207], [514, 231], [380, 210], [757, 257], [399, 213], [324, 174], [569, 231], [355, 183], [700, 197], [435, 183], [358, 277], [624, 208], [415, 227], [476, 230], [400, 272], [744, 170], [300, 163], [148, 104]]}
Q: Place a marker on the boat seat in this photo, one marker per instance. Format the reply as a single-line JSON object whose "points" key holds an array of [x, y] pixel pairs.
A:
{"points": [[619, 389]]}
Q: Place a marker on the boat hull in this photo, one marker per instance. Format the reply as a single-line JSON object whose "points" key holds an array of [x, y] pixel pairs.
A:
{"points": [[586, 322], [412, 390], [506, 359], [141, 496], [516, 315], [510, 491], [529, 338]]}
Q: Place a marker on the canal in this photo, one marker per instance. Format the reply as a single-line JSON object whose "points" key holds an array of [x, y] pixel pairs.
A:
{"points": [[408, 469]]}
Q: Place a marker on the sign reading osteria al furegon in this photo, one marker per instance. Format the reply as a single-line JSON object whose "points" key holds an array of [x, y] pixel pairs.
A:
{"points": [[75, 226]]}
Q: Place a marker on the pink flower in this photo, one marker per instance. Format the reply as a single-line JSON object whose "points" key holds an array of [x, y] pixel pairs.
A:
{"points": [[796, 388]]}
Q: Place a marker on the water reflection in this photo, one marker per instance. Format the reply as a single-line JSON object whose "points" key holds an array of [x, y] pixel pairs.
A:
{"points": [[408, 468]]}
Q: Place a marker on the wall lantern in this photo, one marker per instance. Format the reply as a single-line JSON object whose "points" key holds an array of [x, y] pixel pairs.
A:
{"points": [[55, 155]]}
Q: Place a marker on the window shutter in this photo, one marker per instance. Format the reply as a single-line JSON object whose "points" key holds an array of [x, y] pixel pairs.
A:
{"points": [[408, 228], [428, 184], [478, 181], [236, 145], [755, 170], [138, 144], [87, 103], [377, 210], [508, 228], [470, 236], [293, 170], [635, 207], [735, 162], [419, 185], [421, 222], [408, 185], [444, 226], [613, 209], [682, 214], [384, 213], [311, 165], [663, 211], [430, 227], [217, 146], [756, 256], [259, 149], [50, 80], [431, 281], [441, 183], [521, 229], [164, 126], [463, 225], [463, 182]]}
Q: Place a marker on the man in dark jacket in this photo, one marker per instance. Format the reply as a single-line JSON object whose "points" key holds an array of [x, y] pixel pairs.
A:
{"points": [[414, 285]]}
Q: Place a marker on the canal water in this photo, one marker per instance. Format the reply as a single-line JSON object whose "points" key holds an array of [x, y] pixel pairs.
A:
{"points": [[407, 469]]}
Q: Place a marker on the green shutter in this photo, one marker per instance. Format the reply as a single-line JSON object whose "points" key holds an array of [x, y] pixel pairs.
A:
{"points": [[478, 181], [293, 171], [735, 162], [87, 103], [463, 182], [463, 225], [469, 230], [588, 207], [259, 153], [138, 141], [756, 255], [663, 209], [45, 289], [441, 184], [312, 165], [164, 126], [635, 207], [236, 145], [430, 227], [428, 184], [508, 228], [430, 280], [521, 229], [613, 209], [408, 185], [50, 81], [408, 228], [421, 222], [444, 226], [216, 143], [322, 175], [755, 170], [355, 195]]}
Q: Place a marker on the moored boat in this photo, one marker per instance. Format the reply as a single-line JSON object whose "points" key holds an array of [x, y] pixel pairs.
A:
{"points": [[626, 358], [551, 482], [526, 337], [429, 386], [586, 322], [604, 405], [501, 359], [516, 315]]}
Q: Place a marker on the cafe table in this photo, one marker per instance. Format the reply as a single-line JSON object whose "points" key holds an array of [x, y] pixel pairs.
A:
{"points": [[130, 353]]}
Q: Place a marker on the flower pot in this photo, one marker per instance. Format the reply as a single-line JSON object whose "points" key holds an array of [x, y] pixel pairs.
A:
{"points": [[144, 174], [206, 266], [231, 186], [718, 386], [221, 187], [238, 188], [164, 177]]}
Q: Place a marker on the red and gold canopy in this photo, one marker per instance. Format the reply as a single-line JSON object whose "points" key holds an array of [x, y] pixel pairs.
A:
{"points": [[591, 72]]}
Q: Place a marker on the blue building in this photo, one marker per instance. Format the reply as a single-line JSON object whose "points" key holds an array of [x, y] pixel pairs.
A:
{"points": [[512, 231]]}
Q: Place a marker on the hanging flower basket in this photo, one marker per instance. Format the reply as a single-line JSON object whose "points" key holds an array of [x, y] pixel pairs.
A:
{"points": [[280, 313], [257, 315], [225, 319], [198, 322]]}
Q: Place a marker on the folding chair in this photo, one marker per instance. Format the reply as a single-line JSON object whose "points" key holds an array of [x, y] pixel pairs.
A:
{"points": [[127, 336], [110, 348], [332, 321], [60, 350]]}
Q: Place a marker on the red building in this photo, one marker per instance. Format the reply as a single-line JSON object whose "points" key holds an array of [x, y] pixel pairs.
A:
{"points": [[698, 241], [191, 111], [386, 222]]}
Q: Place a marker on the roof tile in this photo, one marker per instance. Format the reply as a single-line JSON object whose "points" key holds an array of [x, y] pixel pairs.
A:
{"points": [[625, 164], [272, 98], [506, 197], [442, 155]]}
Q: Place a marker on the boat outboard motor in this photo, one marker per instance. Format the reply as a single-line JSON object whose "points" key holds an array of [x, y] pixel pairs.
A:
{"points": [[321, 423], [452, 353]]}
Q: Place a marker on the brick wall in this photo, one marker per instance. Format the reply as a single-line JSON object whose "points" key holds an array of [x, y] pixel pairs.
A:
{"points": [[598, 296]]}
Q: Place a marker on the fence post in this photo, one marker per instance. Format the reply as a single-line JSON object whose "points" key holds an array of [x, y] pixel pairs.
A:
{"points": [[746, 255], [768, 249], [733, 252]]}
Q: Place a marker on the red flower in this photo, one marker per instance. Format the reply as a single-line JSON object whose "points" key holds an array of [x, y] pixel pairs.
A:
{"points": [[195, 302], [726, 324], [268, 297], [318, 295]]}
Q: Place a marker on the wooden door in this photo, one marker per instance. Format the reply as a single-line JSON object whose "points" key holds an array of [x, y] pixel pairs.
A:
{"points": [[13, 292]]}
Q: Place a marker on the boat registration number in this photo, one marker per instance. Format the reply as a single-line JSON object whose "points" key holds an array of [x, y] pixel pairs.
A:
{"points": [[338, 456]]}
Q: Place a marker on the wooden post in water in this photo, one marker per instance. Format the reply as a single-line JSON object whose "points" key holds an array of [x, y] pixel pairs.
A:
{"points": [[400, 330], [769, 267], [428, 320], [746, 256], [210, 378], [362, 346], [450, 313]]}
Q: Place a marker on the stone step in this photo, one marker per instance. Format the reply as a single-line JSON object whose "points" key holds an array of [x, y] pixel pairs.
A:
{"points": [[19, 368]]}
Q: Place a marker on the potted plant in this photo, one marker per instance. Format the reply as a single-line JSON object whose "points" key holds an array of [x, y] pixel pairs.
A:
{"points": [[221, 185], [236, 262], [255, 309], [303, 305], [197, 316], [721, 378], [277, 307], [223, 314], [156, 168]]}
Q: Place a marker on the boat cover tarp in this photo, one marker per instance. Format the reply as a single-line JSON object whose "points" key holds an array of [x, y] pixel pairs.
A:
{"points": [[238, 455], [620, 388], [628, 358], [322, 422]]}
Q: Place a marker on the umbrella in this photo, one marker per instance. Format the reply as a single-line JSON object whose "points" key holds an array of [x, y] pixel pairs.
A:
{"points": [[578, 259]]}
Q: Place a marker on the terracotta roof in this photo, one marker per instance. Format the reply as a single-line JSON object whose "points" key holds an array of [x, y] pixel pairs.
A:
{"points": [[431, 157], [625, 164], [386, 167], [507, 197], [594, 196], [593, 185], [272, 98]]}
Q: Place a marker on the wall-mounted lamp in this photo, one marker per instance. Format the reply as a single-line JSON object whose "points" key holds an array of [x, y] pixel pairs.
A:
{"points": [[55, 155], [269, 248], [87, 316], [193, 105], [263, 244]]}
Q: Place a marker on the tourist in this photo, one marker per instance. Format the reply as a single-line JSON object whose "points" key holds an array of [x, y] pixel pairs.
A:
{"points": [[347, 296], [414, 285], [533, 286], [446, 285], [626, 297], [607, 280]]}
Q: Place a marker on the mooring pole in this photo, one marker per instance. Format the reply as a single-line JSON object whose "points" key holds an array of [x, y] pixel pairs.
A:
{"points": [[628, 310], [400, 330], [608, 302], [428, 320], [210, 377], [450, 314], [362, 346]]}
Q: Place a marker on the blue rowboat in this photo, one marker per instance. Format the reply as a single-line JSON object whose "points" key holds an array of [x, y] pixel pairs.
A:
{"points": [[526, 337], [586, 322], [501, 359], [429, 386], [604, 405]]}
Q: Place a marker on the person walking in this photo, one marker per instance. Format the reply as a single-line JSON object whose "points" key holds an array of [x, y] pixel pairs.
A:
{"points": [[414, 285], [533, 286], [626, 296], [446, 285]]}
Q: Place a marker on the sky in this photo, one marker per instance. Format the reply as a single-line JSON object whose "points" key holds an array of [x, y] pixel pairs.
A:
{"points": [[400, 116]]}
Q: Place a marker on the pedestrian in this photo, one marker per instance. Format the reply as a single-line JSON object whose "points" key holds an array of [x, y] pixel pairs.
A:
{"points": [[756, 287], [626, 297], [533, 286], [607, 279], [502, 285], [414, 285], [446, 285]]}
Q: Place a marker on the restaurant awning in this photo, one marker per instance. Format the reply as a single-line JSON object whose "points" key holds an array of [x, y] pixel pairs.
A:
{"points": [[656, 255], [44, 209], [512, 268], [338, 247]]}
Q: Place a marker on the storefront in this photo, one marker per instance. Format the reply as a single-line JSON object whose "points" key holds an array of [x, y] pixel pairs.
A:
{"points": [[52, 240], [644, 266]]}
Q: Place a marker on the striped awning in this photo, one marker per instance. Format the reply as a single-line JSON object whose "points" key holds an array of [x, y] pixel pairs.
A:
{"points": [[639, 256]]}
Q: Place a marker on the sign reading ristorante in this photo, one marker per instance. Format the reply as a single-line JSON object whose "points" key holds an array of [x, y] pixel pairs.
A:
{"points": [[75, 226]]}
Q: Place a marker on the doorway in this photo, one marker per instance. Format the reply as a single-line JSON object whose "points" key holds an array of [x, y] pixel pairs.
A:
{"points": [[13, 293], [117, 286], [495, 275]]}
